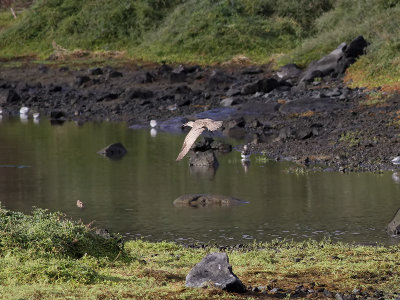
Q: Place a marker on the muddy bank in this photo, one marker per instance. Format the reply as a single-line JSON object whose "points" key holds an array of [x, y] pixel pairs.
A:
{"points": [[320, 124]]}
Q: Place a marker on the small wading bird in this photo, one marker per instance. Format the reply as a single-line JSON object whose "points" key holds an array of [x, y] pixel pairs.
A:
{"points": [[245, 154], [198, 127], [79, 203]]}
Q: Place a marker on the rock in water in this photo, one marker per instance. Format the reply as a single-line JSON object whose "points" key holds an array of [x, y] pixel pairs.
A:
{"points": [[116, 150], [215, 268], [204, 159], [206, 200]]}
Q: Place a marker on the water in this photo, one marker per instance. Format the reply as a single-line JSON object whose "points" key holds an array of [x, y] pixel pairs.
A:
{"points": [[54, 166]]}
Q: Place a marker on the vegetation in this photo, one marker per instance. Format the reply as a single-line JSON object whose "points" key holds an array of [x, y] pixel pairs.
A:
{"points": [[212, 31], [39, 259]]}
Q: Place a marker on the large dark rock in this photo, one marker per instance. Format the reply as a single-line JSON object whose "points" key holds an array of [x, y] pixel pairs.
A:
{"points": [[203, 158], [178, 75], [264, 85], [140, 93], [393, 227], [289, 71], [8, 96], [215, 268], [336, 62], [219, 80], [116, 150], [206, 200], [57, 115]]}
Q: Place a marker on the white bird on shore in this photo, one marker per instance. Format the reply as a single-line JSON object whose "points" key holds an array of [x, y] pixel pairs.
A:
{"points": [[198, 127], [153, 123], [396, 160], [24, 110], [245, 154], [36, 115]]}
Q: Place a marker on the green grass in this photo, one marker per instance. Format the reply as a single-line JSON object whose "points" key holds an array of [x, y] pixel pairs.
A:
{"points": [[207, 32], [36, 262]]}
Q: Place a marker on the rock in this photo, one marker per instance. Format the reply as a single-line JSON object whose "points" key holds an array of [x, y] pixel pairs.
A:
{"points": [[95, 71], [337, 61], [116, 150], [215, 268], [228, 102], [325, 65], [252, 71], [57, 114], [218, 79], [146, 77], [164, 69], [206, 200], [206, 158], [264, 85], [289, 71], [114, 74], [352, 52], [178, 75], [140, 93], [43, 69], [8, 96], [221, 147], [393, 227], [81, 79]]}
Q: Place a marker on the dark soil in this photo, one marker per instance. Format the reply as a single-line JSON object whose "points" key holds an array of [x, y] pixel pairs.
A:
{"points": [[323, 125]]}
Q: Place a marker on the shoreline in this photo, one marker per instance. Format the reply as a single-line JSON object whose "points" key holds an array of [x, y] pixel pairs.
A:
{"points": [[322, 126]]}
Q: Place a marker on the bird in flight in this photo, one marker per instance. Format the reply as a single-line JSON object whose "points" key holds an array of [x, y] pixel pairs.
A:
{"points": [[198, 127]]}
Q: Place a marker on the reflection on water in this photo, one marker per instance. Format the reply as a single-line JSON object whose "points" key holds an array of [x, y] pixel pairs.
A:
{"points": [[134, 195]]}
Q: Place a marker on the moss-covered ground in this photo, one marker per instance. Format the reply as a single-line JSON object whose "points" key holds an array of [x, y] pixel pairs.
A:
{"points": [[48, 256]]}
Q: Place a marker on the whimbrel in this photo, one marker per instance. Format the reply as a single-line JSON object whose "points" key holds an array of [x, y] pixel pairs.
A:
{"points": [[198, 127]]}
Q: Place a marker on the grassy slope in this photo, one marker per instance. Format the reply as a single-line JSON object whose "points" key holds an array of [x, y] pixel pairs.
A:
{"points": [[68, 261], [213, 31]]}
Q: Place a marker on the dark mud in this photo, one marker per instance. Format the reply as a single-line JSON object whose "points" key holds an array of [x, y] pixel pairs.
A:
{"points": [[322, 125]]}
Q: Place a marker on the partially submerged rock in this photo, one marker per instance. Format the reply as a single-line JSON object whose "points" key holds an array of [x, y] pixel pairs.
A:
{"points": [[116, 150], [215, 269], [206, 200]]}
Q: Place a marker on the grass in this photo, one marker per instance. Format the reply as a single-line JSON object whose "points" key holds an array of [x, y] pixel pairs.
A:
{"points": [[209, 32], [38, 263], [351, 138]]}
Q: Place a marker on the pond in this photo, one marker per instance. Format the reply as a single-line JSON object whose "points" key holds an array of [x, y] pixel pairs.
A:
{"points": [[52, 166]]}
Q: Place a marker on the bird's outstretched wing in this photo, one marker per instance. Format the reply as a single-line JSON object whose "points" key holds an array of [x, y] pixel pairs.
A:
{"points": [[190, 139], [212, 125]]}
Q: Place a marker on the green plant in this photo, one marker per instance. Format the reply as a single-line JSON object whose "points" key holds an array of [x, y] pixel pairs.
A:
{"points": [[52, 233], [352, 138]]}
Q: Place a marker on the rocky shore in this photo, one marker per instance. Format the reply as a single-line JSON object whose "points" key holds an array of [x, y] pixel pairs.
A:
{"points": [[314, 120]]}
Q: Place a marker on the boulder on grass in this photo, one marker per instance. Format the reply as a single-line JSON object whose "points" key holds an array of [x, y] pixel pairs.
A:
{"points": [[393, 227], [215, 269]]}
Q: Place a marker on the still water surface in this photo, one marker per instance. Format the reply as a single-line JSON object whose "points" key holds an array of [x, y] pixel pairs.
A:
{"points": [[54, 166]]}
